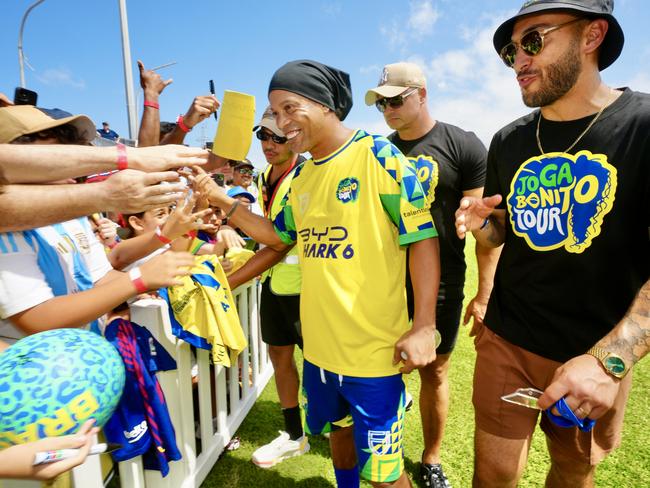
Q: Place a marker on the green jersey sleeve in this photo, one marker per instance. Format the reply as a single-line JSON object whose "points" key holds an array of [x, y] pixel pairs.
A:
{"points": [[402, 195], [284, 224]]}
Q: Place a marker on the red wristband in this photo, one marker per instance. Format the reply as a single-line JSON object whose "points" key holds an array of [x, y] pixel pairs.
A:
{"points": [[122, 162], [136, 278], [112, 245], [161, 237], [181, 124], [155, 105]]}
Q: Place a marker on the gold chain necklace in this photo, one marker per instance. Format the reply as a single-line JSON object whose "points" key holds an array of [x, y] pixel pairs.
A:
{"points": [[593, 121]]}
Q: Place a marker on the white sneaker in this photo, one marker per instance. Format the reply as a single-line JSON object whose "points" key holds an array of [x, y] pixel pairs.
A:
{"points": [[279, 449]]}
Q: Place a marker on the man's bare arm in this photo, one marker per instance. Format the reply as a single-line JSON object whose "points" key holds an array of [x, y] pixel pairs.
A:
{"points": [[630, 339], [152, 86], [417, 346], [31, 206], [255, 226], [30, 163], [583, 381]]}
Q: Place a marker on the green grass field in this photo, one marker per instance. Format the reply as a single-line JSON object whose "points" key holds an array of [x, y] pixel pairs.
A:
{"points": [[629, 466]]}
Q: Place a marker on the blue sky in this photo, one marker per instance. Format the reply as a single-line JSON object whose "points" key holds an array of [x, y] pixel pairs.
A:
{"points": [[75, 49]]}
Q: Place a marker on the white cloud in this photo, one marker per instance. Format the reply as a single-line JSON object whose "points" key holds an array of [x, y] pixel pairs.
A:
{"points": [[372, 69], [422, 17], [394, 35], [60, 77], [469, 86], [332, 9]]}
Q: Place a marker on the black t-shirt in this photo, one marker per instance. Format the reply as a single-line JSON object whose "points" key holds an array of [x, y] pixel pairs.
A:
{"points": [[576, 249], [449, 161]]}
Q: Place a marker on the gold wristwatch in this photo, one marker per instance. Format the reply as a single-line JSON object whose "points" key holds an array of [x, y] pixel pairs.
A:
{"points": [[613, 363]]}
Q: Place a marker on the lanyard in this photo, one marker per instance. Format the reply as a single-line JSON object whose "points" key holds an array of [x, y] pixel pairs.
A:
{"points": [[268, 203]]}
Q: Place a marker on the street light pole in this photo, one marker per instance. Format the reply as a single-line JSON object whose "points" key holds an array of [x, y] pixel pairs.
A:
{"points": [[21, 57], [128, 74]]}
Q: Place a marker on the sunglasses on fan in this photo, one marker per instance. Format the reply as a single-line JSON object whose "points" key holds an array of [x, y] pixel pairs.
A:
{"points": [[531, 43], [265, 136], [393, 102]]}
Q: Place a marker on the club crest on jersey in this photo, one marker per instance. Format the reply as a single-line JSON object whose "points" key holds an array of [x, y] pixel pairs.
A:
{"points": [[560, 200], [428, 171], [348, 190], [379, 441]]}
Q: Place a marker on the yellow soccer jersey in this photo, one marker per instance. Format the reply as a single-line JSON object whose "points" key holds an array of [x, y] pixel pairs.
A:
{"points": [[352, 214]]}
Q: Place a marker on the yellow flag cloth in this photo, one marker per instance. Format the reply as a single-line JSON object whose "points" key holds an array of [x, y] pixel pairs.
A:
{"points": [[238, 257], [203, 311]]}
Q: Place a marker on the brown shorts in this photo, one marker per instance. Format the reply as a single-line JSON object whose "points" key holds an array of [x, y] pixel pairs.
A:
{"points": [[501, 368]]}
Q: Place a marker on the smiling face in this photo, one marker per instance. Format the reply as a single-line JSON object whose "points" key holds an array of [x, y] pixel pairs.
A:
{"points": [[242, 176], [551, 74], [303, 122]]}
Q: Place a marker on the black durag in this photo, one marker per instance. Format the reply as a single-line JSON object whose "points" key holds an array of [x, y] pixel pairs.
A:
{"points": [[316, 81]]}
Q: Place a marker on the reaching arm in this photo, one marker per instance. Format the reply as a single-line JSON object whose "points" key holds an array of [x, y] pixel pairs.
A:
{"points": [[255, 226], [152, 85], [480, 216], [81, 308], [202, 107], [16, 462], [215, 162], [486, 259], [181, 221], [419, 343], [34, 163], [129, 191], [584, 382], [263, 260], [130, 250]]}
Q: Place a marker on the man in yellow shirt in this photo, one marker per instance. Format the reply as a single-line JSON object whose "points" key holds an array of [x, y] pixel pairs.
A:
{"points": [[280, 296], [352, 210]]}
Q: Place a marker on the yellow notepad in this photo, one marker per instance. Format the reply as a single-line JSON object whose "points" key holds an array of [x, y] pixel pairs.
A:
{"points": [[235, 130]]}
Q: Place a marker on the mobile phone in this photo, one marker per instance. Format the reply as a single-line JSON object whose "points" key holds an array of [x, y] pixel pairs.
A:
{"points": [[526, 397], [218, 178], [23, 96]]}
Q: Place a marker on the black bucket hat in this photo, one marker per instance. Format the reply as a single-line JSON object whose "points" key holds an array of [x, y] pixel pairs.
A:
{"points": [[612, 45]]}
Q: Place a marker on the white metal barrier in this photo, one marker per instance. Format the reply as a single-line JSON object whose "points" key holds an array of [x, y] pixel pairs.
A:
{"points": [[225, 396]]}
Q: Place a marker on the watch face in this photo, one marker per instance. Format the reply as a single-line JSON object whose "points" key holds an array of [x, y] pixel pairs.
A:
{"points": [[615, 365]]}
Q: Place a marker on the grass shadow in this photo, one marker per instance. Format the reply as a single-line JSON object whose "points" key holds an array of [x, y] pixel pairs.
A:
{"points": [[233, 472]]}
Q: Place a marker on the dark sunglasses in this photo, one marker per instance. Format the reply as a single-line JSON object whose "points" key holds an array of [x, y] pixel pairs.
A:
{"points": [[265, 136], [393, 102], [245, 171], [531, 43]]}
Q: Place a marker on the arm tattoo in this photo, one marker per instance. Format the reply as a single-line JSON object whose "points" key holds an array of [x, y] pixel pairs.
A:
{"points": [[631, 337]]}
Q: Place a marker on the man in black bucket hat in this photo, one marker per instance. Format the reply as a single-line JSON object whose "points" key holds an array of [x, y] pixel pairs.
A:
{"points": [[567, 194], [612, 44]]}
